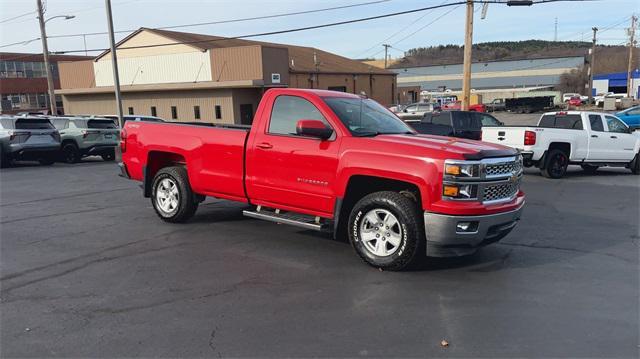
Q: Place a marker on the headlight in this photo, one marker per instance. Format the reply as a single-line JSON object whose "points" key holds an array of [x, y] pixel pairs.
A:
{"points": [[460, 191], [461, 170]]}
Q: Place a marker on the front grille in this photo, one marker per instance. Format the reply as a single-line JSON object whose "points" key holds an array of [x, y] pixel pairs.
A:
{"points": [[503, 169], [500, 191]]}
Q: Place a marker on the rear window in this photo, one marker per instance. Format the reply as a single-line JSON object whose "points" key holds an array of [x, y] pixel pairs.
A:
{"points": [[33, 124], [570, 122], [466, 121], [101, 124]]}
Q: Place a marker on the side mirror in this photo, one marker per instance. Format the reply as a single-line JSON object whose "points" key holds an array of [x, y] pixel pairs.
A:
{"points": [[313, 128]]}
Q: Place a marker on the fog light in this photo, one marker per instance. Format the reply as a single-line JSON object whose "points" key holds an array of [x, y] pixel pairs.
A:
{"points": [[467, 227]]}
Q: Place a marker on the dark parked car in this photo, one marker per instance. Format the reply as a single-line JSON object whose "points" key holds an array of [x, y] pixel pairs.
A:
{"points": [[463, 124], [28, 138]]}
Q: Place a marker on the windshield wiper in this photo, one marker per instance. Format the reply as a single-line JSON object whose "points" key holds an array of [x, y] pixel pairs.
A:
{"points": [[367, 134]]}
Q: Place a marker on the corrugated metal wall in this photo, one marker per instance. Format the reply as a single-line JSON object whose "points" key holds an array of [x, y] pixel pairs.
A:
{"points": [[154, 69], [236, 63]]}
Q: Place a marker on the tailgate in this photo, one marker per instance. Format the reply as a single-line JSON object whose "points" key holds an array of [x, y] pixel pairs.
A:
{"points": [[506, 136]]}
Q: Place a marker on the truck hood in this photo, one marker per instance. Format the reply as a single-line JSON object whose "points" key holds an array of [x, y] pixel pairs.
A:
{"points": [[444, 147]]}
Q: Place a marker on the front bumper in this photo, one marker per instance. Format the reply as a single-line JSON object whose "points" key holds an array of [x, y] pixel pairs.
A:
{"points": [[444, 239]]}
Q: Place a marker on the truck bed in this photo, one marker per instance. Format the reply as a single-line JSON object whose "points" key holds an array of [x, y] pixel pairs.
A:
{"points": [[213, 154]]}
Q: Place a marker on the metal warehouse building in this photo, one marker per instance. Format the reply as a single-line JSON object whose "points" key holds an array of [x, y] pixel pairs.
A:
{"points": [[490, 75], [185, 76], [616, 82]]}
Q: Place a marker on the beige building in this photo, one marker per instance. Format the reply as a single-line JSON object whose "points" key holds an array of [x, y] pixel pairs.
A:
{"points": [[194, 77]]}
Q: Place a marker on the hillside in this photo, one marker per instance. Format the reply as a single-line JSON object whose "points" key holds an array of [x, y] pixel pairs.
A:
{"points": [[608, 58]]}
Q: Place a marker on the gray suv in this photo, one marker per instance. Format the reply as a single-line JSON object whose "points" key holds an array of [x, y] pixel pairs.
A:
{"points": [[28, 138], [87, 137]]}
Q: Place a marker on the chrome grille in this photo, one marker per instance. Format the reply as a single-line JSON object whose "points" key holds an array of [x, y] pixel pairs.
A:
{"points": [[503, 169], [500, 191]]}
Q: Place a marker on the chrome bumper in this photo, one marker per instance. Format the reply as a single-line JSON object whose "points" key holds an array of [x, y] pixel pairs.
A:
{"points": [[445, 240]]}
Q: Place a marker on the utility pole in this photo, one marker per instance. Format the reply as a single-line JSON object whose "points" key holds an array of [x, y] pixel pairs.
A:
{"points": [[555, 32], [632, 45], [591, 65], [468, 43], [386, 49], [114, 62], [45, 52]]}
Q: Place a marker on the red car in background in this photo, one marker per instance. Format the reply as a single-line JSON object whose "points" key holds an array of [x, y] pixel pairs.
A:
{"points": [[458, 106], [575, 101]]}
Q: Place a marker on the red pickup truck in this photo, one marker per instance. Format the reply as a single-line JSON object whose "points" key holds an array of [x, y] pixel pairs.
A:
{"points": [[331, 161]]}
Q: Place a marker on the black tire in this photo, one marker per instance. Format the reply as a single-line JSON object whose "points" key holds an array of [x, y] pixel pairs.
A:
{"points": [[409, 229], [70, 153], [589, 168], [5, 161], [556, 163], [634, 166], [186, 202], [109, 157]]}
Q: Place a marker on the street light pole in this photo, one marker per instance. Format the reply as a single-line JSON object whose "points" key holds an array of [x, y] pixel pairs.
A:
{"points": [[466, 72], [114, 62], [45, 51]]}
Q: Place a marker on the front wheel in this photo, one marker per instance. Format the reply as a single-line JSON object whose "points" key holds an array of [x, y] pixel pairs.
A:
{"points": [[556, 164], [386, 231], [171, 195]]}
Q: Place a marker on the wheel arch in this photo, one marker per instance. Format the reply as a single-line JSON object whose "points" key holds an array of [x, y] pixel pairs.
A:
{"points": [[358, 186], [157, 160]]}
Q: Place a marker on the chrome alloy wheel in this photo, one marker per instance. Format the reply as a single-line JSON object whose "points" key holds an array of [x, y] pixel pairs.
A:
{"points": [[380, 232], [167, 195]]}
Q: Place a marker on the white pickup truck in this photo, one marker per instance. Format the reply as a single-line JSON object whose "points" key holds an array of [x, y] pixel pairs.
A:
{"points": [[588, 139]]}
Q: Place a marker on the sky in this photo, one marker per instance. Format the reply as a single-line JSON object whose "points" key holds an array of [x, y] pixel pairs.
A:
{"points": [[357, 40]]}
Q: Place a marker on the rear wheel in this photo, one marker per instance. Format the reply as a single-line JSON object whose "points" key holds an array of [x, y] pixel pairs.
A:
{"points": [[589, 168], [635, 165], [70, 153], [386, 231], [171, 195], [556, 163], [109, 156]]}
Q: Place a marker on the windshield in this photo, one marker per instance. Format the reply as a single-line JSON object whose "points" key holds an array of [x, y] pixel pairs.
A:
{"points": [[365, 117]]}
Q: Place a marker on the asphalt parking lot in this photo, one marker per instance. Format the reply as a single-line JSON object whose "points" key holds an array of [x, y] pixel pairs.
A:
{"points": [[87, 269]]}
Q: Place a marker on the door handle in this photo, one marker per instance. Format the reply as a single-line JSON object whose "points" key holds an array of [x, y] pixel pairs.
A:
{"points": [[614, 136], [264, 145], [594, 136]]}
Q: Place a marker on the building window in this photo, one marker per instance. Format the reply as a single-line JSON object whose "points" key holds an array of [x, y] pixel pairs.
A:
{"points": [[196, 112], [218, 112], [131, 110], [174, 112], [154, 112]]}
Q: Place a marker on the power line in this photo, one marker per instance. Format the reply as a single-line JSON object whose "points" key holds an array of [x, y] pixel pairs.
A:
{"points": [[282, 31], [425, 26], [17, 17], [218, 22], [397, 32]]}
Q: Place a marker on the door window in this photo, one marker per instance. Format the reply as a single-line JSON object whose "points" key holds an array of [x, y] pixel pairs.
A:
{"points": [[412, 108], [441, 119], [634, 112], [596, 123], [615, 125], [288, 110]]}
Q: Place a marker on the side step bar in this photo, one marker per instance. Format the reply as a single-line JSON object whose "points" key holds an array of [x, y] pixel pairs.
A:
{"points": [[291, 218]]}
